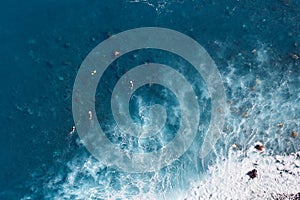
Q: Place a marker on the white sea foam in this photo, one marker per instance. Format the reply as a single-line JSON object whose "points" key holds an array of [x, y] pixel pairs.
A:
{"points": [[228, 179]]}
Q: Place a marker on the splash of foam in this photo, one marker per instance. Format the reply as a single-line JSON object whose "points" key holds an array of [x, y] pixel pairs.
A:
{"points": [[228, 179]]}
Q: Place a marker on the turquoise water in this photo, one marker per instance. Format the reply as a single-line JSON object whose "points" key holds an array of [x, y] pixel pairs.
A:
{"points": [[44, 43]]}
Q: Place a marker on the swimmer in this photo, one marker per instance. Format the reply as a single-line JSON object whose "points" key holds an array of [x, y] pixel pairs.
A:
{"points": [[73, 130], [90, 115], [131, 84]]}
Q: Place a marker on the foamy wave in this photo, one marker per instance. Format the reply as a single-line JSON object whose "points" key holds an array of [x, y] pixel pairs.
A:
{"points": [[277, 177]]}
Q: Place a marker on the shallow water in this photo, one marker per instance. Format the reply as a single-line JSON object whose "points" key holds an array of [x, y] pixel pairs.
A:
{"points": [[44, 43]]}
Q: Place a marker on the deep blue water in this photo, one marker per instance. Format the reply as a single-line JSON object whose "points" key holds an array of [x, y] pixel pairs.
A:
{"points": [[43, 44]]}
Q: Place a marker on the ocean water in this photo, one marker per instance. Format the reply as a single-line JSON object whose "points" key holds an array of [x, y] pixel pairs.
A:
{"points": [[255, 46]]}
